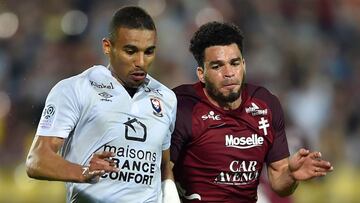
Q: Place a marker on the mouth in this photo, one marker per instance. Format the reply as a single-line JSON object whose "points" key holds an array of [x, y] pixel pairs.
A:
{"points": [[230, 86], [138, 75]]}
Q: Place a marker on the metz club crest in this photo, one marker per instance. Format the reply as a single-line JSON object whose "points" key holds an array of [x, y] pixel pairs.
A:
{"points": [[156, 105]]}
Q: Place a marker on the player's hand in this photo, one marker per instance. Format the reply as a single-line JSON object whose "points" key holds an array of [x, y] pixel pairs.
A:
{"points": [[99, 164], [304, 165]]}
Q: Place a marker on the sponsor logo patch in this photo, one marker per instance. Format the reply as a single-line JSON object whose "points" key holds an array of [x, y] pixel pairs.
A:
{"points": [[138, 130], [211, 115], [254, 110], [105, 96], [243, 142], [102, 85], [135, 165], [240, 172], [47, 117]]}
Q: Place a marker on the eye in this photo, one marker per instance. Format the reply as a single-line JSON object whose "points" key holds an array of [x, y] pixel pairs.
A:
{"points": [[235, 63], [130, 51], [150, 51], [215, 66]]}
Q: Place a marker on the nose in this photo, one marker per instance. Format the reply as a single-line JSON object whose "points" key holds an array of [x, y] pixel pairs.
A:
{"points": [[139, 60], [228, 71]]}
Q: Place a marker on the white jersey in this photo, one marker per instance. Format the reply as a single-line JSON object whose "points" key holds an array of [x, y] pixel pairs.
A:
{"points": [[93, 112]]}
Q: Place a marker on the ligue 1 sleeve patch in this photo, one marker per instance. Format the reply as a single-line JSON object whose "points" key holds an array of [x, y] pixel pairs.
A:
{"points": [[47, 117], [156, 105]]}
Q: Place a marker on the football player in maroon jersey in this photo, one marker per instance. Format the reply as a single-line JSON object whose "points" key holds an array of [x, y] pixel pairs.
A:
{"points": [[226, 129]]}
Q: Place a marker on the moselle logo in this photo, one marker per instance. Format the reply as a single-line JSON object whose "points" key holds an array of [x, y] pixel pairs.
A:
{"points": [[102, 85], [243, 142], [156, 91], [138, 130], [156, 105], [105, 96], [211, 115], [49, 111], [255, 110]]}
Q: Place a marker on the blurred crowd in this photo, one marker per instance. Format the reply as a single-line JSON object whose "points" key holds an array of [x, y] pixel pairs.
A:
{"points": [[305, 51]]}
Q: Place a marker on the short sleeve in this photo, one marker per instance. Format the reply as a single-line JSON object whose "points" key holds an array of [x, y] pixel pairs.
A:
{"points": [[167, 141], [61, 111], [279, 149]]}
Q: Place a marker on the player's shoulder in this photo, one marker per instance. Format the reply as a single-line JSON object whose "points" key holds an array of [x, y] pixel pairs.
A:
{"points": [[187, 95], [77, 82], [97, 71], [185, 89], [257, 91], [261, 93]]}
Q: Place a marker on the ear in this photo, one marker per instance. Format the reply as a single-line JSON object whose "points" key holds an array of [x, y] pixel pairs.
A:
{"points": [[200, 72], [106, 44], [244, 65]]}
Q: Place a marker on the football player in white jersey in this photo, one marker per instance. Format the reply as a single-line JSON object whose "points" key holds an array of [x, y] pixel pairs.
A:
{"points": [[106, 132]]}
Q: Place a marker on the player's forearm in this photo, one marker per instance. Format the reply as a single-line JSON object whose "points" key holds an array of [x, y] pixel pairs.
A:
{"points": [[282, 182], [51, 166], [166, 166], [166, 171]]}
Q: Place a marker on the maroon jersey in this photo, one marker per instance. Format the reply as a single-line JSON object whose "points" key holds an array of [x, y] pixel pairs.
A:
{"points": [[219, 154]]}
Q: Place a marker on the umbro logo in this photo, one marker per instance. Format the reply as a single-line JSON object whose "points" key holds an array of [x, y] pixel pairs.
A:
{"points": [[105, 96]]}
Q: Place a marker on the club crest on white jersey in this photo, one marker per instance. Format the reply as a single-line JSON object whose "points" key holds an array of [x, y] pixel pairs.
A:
{"points": [[156, 105]]}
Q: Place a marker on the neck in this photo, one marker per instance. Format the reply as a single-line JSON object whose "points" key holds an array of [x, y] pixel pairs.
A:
{"points": [[224, 105], [131, 91]]}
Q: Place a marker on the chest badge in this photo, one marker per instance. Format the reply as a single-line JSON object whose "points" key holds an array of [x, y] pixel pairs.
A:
{"points": [[156, 105], [263, 125]]}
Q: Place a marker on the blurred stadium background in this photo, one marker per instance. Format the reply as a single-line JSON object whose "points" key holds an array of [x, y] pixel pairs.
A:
{"points": [[304, 51]]}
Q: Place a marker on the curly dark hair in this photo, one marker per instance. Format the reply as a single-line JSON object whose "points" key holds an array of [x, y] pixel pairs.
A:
{"points": [[132, 17], [212, 34]]}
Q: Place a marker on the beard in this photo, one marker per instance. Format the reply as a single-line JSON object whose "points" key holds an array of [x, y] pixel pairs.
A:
{"points": [[218, 96]]}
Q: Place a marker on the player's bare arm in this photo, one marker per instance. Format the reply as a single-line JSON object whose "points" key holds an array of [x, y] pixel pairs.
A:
{"points": [[280, 177], [44, 162], [166, 166], [303, 165]]}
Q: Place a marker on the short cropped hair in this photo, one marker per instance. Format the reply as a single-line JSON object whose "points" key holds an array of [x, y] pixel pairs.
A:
{"points": [[213, 34], [131, 17]]}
